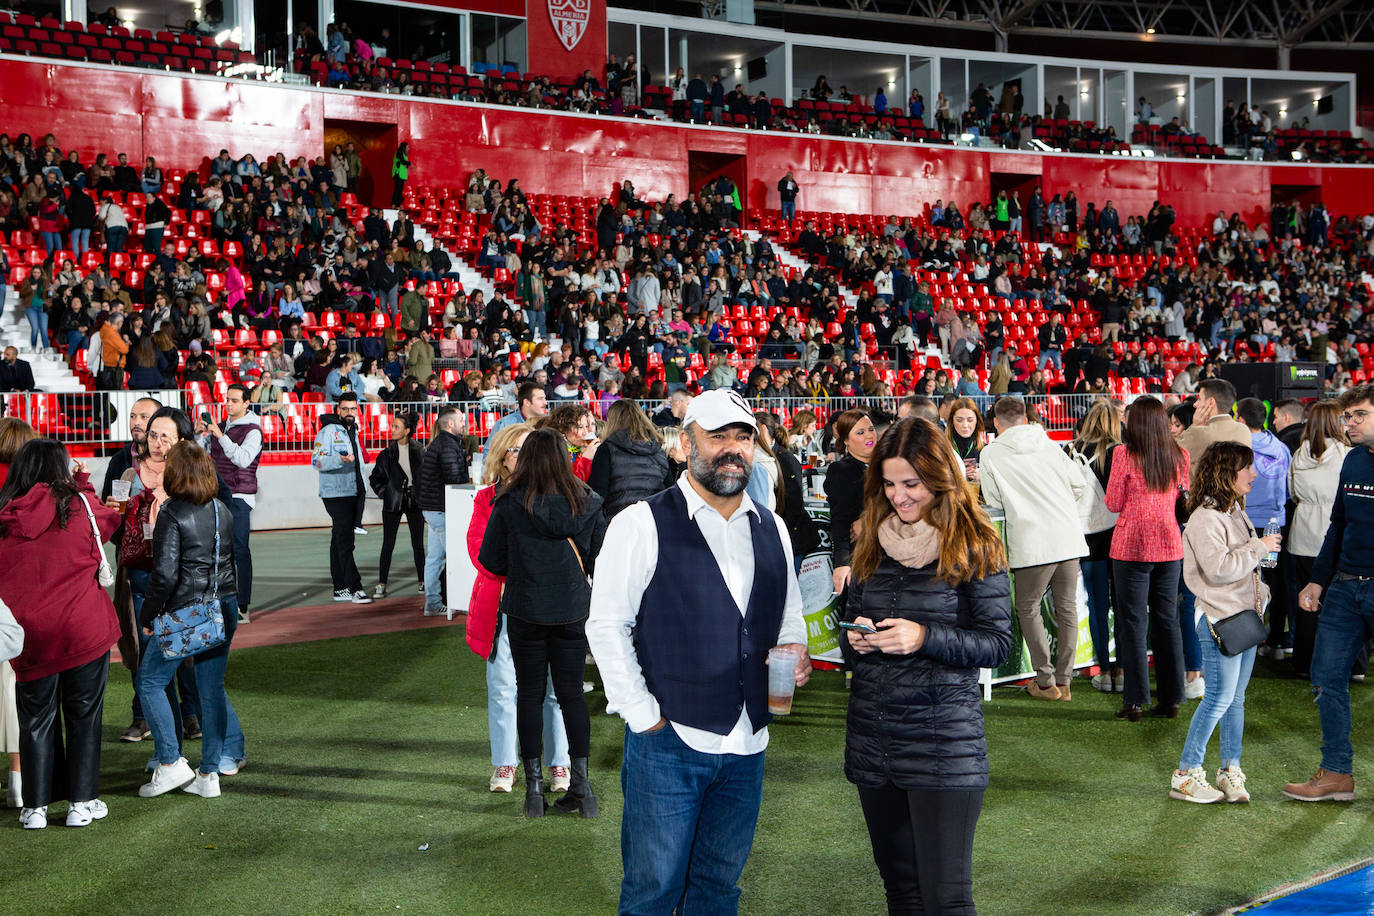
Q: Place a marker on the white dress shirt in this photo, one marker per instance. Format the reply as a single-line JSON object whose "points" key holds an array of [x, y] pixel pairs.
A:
{"points": [[628, 558]]}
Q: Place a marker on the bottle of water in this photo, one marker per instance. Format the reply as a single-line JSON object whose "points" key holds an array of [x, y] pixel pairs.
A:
{"points": [[1271, 559]]}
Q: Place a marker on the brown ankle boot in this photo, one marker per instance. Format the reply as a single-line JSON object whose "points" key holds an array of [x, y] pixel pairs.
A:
{"points": [[1323, 786]]}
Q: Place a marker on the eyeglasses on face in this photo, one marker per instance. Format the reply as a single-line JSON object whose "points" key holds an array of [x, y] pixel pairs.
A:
{"points": [[1355, 416]]}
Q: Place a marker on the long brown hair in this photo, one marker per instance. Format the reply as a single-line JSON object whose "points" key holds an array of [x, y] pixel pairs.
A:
{"points": [[190, 474], [1148, 440], [844, 424], [1324, 425], [626, 415], [1213, 484], [544, 468], [14, 432], [969, 546]]}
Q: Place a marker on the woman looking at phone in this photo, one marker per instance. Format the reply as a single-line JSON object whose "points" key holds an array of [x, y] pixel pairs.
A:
{"points": [[929, 578]]}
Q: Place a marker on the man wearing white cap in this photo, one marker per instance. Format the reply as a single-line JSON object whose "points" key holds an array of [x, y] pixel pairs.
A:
{"points": [[680, 628]]}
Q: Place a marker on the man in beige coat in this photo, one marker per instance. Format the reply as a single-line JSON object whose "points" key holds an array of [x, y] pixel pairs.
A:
{"points": [[1212, 421]]}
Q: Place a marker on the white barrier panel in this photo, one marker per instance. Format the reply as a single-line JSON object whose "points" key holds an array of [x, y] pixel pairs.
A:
{"points": [[458, 505]]}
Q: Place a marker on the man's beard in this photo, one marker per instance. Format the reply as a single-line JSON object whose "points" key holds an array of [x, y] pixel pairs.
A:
{"points": [[707, 473]]}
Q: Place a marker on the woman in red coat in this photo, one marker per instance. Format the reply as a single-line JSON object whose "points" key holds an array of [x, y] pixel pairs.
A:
{"points": [[50, 557], [487, 637]]}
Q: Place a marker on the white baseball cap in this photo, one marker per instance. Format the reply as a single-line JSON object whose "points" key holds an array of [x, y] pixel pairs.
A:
{"points": [[719, 408]]}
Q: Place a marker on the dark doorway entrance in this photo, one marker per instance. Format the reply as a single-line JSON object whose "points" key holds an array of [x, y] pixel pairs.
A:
{"points": [[1302, 195], [376, 144], [705, 168], [1014, 183]]}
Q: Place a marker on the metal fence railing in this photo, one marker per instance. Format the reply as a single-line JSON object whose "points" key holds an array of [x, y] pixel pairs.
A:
{"points": [[98, 420]]}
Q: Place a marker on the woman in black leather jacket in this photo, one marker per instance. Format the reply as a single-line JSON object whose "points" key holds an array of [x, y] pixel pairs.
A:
{"points": [[929, 578], [193, 559], [393, 478]]}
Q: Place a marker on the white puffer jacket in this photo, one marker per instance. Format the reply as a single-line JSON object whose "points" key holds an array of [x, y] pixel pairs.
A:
{"points": [[1313, 484]]}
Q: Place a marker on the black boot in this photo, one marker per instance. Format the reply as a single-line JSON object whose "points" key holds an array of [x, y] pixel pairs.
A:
{"points": [[579, 797], [534, 786]]}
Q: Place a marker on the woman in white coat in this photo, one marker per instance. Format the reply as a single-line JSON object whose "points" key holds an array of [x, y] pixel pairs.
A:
{"points": [[1313, 478]]}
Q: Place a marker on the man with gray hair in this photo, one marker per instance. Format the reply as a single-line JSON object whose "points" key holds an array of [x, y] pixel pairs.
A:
{"points": [[681, 626], [674, 410]]}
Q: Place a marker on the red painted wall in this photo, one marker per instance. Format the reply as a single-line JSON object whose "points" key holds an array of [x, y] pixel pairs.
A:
{"points": [[548, 55], [184, 121]]}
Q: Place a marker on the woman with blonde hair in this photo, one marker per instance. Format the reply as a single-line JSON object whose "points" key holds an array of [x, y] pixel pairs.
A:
{"points": [[1313, 481], [1221, 559], [1094, 441], [932, 600], [489, 639]]}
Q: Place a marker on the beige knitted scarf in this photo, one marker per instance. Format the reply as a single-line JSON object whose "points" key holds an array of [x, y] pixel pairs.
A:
{"points": [[914, 546]]}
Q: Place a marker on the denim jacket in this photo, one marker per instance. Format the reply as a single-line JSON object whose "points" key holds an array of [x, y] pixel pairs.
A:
{"points": [[338, 478]]}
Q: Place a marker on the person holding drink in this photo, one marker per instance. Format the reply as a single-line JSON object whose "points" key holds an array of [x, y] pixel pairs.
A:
{"points": [[681, 627], [929, 605]]}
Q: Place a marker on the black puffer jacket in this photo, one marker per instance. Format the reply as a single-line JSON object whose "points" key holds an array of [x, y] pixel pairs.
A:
{"points": [[445, 462], [625, 471], [545, 582], [390, 482], [184, 557], [917, 720]]}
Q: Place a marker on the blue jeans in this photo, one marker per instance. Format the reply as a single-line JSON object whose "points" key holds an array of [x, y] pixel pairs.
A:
{"points": [[1347, 610], [38, 327], [1224, 702], [789, 210], [52, 241], [1052, 356], [189, 703], [434, 559], [115, 237], [217, 714], [1097, 580], [687, 826], [81, 241], [505, 749], [536, 319], [152, 240], [696, 108]]}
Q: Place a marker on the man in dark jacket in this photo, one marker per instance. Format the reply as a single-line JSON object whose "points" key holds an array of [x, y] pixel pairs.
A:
{"points": [[445, 463], [1289, 423], [15, 374], [697, 94], [385, 279]]}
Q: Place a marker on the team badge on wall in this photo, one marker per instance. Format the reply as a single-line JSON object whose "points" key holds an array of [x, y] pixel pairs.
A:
{"points": [[570, 19]]}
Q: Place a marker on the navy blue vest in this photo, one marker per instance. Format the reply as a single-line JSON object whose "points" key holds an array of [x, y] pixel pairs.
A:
{"points": [[702, 661]]}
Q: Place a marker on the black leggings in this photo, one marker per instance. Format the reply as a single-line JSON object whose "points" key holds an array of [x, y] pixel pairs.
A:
{"points": [[69, 703], [540, 652], [391, 523], [923, 845]]}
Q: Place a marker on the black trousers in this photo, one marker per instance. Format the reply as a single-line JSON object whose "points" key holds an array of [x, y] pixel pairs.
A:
{"points": [[391, 523], [1305, 625], [1149, 606], [69, 703], [923, 845], [343, 571], [539, 652], [1282, 618]]}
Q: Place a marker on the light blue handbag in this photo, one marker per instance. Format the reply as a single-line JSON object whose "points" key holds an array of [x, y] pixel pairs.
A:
{"points": [[197, 627]]}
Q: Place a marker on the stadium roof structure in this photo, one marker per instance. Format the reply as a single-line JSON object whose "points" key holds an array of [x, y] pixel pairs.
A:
{"points": [[1283, 23]]}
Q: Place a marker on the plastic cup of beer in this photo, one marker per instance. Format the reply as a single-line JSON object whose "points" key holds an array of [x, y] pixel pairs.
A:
{"points": [[782, 679], [119, 492]]}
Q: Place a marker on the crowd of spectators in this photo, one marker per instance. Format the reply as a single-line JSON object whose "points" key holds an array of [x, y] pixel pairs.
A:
{"points": [[641, 299]]}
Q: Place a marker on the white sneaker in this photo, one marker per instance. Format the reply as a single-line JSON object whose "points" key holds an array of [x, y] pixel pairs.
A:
{"points": [[503, 779], [436, 612], [34, 818], [360, 530], [559, 779], [359, 597], [379, 591], [167, 778], [1191, 786], [82, 813], [14, 796], [206, 785], [1231, 782], [1102, 682], [343, 594], [234, 766], [1194, 689]]}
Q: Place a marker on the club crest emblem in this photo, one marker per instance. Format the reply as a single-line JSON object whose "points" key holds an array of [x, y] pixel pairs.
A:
{"points": [[570, 19]]}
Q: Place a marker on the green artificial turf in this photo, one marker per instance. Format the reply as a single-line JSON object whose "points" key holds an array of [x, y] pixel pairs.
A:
{"points": [[364, 750]]}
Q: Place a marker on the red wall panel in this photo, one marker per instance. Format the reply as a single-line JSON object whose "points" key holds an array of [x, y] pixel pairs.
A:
{"points": [[183, 121], [550, 55]]}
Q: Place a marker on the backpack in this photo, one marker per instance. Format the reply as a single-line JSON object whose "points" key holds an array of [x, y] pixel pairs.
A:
{"points": [[1092, 506]]}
